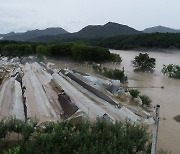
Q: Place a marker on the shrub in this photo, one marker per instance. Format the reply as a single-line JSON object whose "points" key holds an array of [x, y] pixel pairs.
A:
{"points": [[15, 150], [134, 92], [3, 129], [111, 73], [145, 100]]}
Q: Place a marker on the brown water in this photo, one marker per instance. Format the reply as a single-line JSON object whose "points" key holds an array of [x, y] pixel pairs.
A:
{"points": [[168, 98]]}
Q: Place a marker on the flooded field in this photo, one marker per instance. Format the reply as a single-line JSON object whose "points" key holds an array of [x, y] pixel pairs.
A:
{"points": [[168, 98], [56, 92], [45, 86]]}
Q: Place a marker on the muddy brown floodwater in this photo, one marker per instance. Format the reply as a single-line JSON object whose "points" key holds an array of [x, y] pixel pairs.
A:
{"points": [[168, 98]]}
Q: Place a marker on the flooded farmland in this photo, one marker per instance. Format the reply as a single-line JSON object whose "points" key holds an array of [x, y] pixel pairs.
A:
{"points": [[50, 91], [168, 98]]}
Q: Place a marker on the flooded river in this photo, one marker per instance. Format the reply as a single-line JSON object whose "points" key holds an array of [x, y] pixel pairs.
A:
{"points": [[168, 98]]}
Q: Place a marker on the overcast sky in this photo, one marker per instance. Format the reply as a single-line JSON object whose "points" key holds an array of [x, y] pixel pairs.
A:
{"points": [[72, 15]]}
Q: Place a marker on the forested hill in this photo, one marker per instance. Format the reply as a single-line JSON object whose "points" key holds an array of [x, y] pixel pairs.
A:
{"points": [[107, 30], [141, 41], [138, 41], [93, 31], [33, 34], [161, 29]]}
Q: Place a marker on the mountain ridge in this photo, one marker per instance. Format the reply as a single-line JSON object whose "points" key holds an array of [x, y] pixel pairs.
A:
{"points": [[161, 29], [109, 29], [30, 34]]}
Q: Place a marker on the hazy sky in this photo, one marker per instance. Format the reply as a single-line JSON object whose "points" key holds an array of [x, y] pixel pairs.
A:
{"points": [[72, 15]]}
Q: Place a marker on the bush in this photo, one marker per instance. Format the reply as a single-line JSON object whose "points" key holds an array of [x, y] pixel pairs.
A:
{"points": [[145, 100], [134, 92], [15, 150], [3, 129], [111, 73]]}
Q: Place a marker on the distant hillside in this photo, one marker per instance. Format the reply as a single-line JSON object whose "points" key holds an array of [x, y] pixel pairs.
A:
{"points": [[160, 29], [107, 30], [33, 34], [94, 31]]}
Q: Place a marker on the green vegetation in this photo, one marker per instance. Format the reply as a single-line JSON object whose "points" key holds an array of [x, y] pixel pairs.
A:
{"points": [[89, 53], [125, 42], [60, 49], [139, 41], [15, 150], [145, 100], [111, 73], [76, 50], [16, 50], [171, 70], [134, 92], [144, 63], [41, 50], [82, 137]]}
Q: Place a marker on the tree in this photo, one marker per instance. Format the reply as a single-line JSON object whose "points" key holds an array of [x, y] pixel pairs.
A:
{"points": [[41, 50], [60, 49], [100, 136], [144, 63], [171, 70], [10, 50], [83, 52], [1, 49]]}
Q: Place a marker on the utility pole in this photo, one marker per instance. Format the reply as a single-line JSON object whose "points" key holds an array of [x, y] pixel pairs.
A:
{"points": [[155, 132]]}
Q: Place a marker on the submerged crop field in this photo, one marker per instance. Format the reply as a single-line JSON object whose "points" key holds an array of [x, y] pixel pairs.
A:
{"points": [[39, 90], [42, 98]]}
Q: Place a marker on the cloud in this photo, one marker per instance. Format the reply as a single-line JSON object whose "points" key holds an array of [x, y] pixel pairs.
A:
{"points": [[22, 15]]}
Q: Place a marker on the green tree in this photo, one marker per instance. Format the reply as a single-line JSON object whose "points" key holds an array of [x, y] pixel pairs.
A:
{"points": [[144, 63], [1, 49], [83, 52], [10, 50], [41, 50], [171, 70], [24, 50], [83, 137], [60, 49]]}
